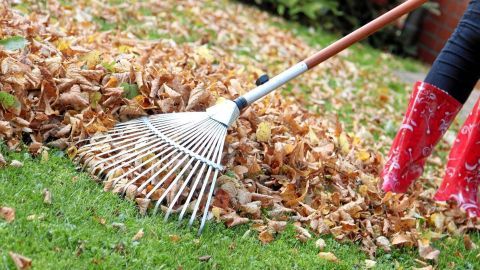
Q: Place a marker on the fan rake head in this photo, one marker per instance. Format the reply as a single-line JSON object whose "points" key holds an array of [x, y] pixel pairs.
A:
{"points": [[173, 159]]}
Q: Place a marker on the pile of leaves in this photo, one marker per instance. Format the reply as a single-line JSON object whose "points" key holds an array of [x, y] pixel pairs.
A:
{"points": [[63, 79]]}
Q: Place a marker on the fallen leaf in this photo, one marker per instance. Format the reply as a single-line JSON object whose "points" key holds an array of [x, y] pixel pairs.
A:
{"points": [[16, 164], [320, 244], [174, 238], [204, 258], [329, 256], [3, 162], [7, 213], [138, 235], [426, 251], [468, 243], [47, 196], [20, 261], [370, 264], [264, 132], [265, 236], [13, 43]]}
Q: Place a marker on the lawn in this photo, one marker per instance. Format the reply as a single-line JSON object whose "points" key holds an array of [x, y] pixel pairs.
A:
{"points": [[86, 228]]}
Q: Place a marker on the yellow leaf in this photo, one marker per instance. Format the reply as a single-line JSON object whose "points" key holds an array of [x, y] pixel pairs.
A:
{"points": [[313, 137], [288, 148], [363, 155], [329, 256], [344, 144], [124, 49], [216, 211], [63, 44], [92, 59], [438, 220], [204, 53], [44, 158], [264, 132], [72, 152]]}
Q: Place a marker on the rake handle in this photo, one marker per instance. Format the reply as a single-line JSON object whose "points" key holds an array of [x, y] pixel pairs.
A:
{"points": [[327, 52]]}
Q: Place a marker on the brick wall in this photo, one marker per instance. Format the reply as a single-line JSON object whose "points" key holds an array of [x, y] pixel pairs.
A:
{"points": [[436, 29]]}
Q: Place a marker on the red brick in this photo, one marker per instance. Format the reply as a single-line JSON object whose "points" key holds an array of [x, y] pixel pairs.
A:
{"points": [[429, 25], [444, 33], [438, 46], [427, 40], [426, 55], [460, 8]]}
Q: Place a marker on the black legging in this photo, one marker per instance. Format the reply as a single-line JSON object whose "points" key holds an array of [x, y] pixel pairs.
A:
{"points": [[457, 67]]}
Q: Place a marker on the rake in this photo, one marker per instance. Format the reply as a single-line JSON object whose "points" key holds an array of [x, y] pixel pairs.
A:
{"points": [[175, 159]]}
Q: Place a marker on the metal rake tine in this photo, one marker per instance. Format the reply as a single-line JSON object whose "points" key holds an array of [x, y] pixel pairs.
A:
{"points": [[189, 138], [179, 176], [111, 132], [202, 190], [132, 142], [82, 155], [212, 185], [159, 140], [195, 183], [198, 141], [172, 149], [127, 131], [187, 180], [131, 152]]}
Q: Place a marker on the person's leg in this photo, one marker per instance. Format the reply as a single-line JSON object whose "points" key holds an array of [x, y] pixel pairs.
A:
{"points": [[462, 174], [456, 69], [435, 103], [429, 114]]}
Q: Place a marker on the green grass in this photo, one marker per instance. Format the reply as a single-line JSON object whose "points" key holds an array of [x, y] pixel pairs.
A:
{"points": [[71, 234]]}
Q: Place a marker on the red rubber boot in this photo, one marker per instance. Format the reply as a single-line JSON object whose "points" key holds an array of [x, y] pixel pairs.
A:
{"points": [[462, 174], [429, 114]]}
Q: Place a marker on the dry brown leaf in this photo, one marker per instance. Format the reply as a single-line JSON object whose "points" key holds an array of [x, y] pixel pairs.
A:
{"points": [[139, 235], [143, 205], [468, 243], [426, 251], [20, 261], [47, 196], [266, 236], [329, 256], [174, 238], [7, 213]]}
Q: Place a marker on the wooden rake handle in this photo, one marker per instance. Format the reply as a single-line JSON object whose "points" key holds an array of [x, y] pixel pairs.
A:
{"points": [[327, 52]]}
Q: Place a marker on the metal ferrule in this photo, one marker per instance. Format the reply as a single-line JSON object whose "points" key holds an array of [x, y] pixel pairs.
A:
{"points": [[275, 82], [226, 112]]}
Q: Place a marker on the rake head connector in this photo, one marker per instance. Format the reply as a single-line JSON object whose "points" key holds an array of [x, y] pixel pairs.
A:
{"points": [[173, 159]]}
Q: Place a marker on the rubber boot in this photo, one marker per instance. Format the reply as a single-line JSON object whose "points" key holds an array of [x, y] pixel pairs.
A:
{"points": [[429, 114], [462, 174]]}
